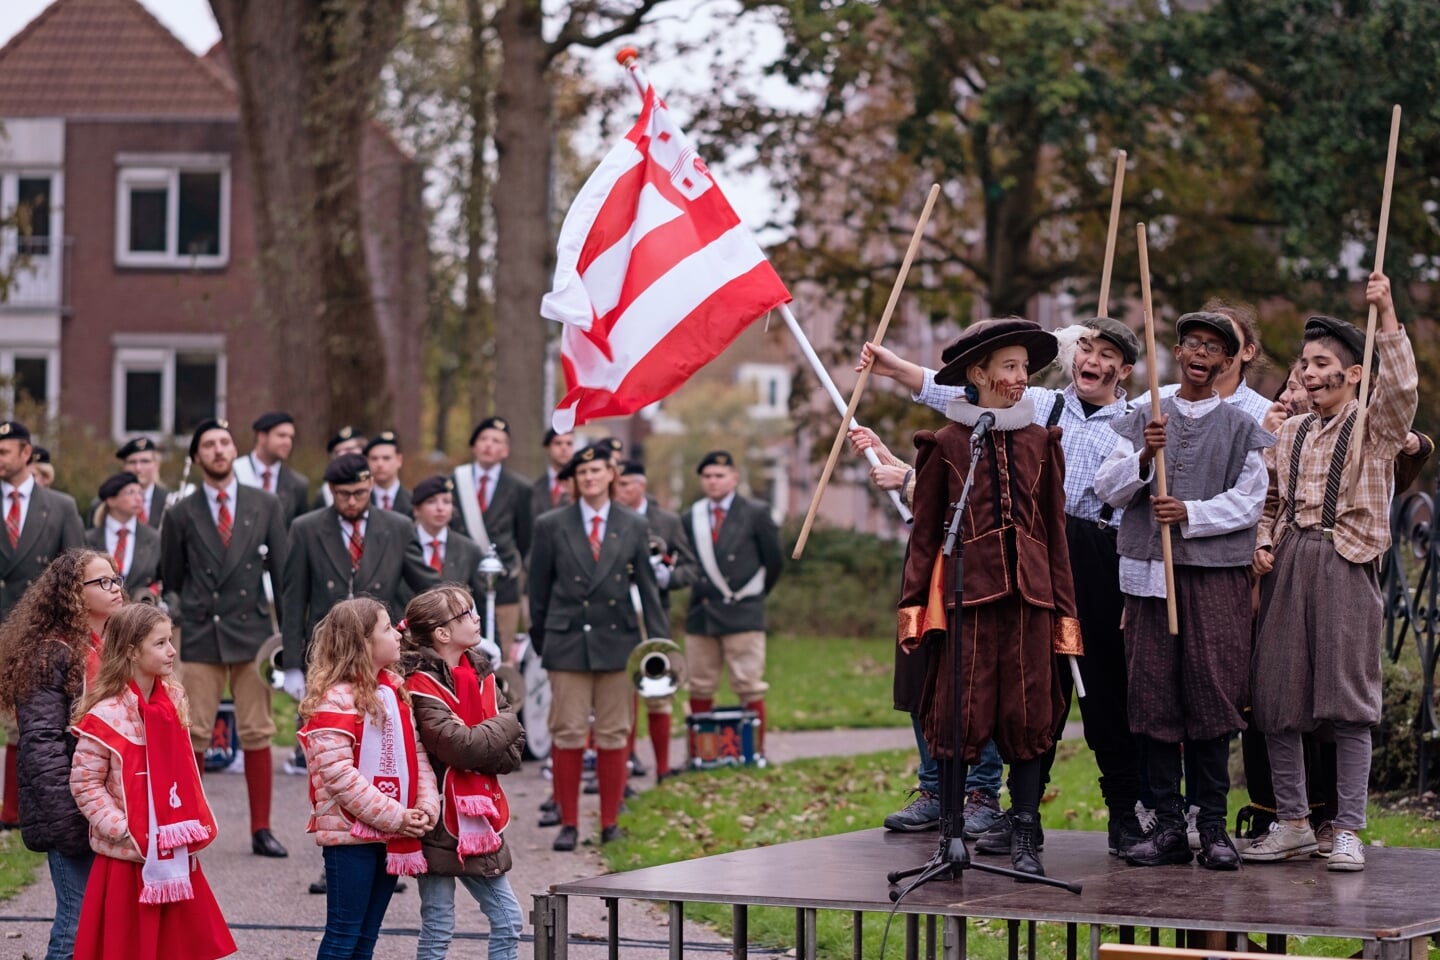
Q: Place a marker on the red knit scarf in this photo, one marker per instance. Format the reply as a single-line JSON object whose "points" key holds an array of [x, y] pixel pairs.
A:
{"points": [[473, 795], [385, 755], [176, 804]]}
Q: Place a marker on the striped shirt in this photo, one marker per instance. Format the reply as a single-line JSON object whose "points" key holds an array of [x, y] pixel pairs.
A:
{"points": [[1087, 441], [1362, 525]]}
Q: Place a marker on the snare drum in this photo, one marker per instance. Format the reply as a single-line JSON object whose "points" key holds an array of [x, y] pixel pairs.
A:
{"points": [[724, 737]]}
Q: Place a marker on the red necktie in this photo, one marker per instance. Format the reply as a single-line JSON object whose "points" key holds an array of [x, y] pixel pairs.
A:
{"points": [[437, 562], [386, 503], [715, 524], [357, 545], [223, 521], [481, 495], [12, 519], [595, 522], [556, 490], [265, 479], [144, 514], [120, 537]]}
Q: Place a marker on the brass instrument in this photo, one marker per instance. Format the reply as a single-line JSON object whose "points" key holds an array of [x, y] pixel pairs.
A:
{"points": [[268, 657], [657, 667], [176, 495]]}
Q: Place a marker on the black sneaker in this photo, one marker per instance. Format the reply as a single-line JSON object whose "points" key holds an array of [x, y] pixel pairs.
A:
{"points": [[1168, 844], [566, 839], [1124, 831], [921, 813], [1217, 852], [995, 842]]}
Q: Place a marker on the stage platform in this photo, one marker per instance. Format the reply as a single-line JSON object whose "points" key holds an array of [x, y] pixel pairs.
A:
{"points": [[1392, 905]]}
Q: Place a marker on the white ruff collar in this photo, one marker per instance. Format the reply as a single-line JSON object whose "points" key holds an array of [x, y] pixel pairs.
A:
{"points": [[1010, 418]]}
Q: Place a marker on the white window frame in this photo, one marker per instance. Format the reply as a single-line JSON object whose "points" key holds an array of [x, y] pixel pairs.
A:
{"points": [[163, 170], [765, 376], [141, 353], [51, 356]]}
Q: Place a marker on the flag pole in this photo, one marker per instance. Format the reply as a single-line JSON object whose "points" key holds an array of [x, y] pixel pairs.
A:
{"points": [[1166, 552], [629, 58], [848, 414]]}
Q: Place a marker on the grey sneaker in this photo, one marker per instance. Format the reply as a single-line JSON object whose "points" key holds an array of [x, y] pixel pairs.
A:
{"points": [[982, 811], [1192, 831], [1146, 817], [921, 813], [1324, 839], [1282, 842], [1347, 854]]}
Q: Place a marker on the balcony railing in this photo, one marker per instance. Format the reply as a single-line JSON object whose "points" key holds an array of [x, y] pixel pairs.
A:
{"points": [[39, 273]]}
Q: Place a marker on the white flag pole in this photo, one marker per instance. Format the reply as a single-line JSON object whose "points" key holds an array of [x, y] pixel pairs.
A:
{"points": [[629, 58]]}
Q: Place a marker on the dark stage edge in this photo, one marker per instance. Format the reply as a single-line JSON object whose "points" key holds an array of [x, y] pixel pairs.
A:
{"points": [[1391, 904]]}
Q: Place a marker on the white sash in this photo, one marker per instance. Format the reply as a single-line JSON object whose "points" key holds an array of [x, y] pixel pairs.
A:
{"points": [[326, 495], [705, 548], [470, 506], [244, 469]]}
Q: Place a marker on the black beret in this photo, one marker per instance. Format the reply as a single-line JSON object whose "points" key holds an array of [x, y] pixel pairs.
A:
{"points": [[590, 454], [138, 445], [347, 468], [612, 444], [271, 420], [1118, 335], [205, 427], [550, 436], [632, 468], [385, 438], [431, 487], [489, 423], [344, 433], [39, 455], [715, 458], [14, 430], [1347, 333], [116, 482], [1216, 323]]}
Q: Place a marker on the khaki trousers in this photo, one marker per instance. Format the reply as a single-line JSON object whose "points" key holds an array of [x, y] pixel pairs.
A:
{"points": [[205, 684], [743, 652], [507, 624], [573, 697]]}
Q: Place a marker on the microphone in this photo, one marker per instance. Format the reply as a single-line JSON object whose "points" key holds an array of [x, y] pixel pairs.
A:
{"points": [[982, 427]]}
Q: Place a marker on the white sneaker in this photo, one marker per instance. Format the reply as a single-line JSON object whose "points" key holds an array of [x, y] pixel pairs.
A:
{"points": [[1324, 839], [1347, 855], [1281, 843], [1146, 816], [1192, 832]]}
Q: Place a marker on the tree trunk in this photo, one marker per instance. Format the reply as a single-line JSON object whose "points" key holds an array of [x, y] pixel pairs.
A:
{"points": [[307, 71], [478, 329], [524, 255]]}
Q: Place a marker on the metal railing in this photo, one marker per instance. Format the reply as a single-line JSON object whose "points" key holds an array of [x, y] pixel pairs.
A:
{"points": [[39, 269]]}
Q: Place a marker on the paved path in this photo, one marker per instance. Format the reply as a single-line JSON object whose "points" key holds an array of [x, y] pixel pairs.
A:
{"points": [[274, 918]]}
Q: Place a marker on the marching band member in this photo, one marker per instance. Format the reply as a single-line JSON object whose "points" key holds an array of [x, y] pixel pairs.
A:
{"points": [[385, 460], [493, 507], [738, 548], [134, 547], [346, 440], [142, 458], [211, 561], [41, 466], [265, 465], [454, 557], [549, 491], [583, 560]]}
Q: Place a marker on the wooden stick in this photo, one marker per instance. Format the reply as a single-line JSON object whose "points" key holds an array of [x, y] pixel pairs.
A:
{"points": [[1160, 485], [864, 377], [1103, 305], [1355, 460]]}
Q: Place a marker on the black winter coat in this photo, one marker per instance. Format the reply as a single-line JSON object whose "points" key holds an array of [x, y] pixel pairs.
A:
{"points": [[49, 818]]}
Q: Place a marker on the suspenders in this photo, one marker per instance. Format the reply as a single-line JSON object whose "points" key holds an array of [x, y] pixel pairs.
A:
{"points": [[1330, 505]]}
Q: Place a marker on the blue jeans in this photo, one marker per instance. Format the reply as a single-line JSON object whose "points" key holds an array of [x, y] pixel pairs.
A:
{"points": [[984, 776], [69, 876], [437, 915], [358, 891]]}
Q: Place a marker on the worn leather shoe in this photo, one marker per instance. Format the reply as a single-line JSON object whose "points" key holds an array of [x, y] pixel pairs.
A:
{"points": [[566, 839], [1024, 834], [1124, 831], [264, 844], [1216, 850], [1166, 845], [611, 833], [320, 886], [550, 818]]}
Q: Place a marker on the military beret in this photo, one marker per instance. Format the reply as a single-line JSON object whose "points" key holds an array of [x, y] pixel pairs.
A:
{"points": [[1216, 323], [431, 487], [715, 458], [116, 482], [1347, 333], [39, 455], [138, 445], [14, 430], [347, 468], [343, 434], [385, 438], [205, 427], [632, 468], [612, 444], [1118, 335], [550, 436], [489, 423], [271, 420], [590, 454]]}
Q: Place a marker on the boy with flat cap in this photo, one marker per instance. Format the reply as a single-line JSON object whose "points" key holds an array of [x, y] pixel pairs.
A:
{"points": [[383, 454], [1317, 653], [738, 548], [214, 548], [133, 547], [1189, 689], [142, 458], [493, 505], [265, 465]]}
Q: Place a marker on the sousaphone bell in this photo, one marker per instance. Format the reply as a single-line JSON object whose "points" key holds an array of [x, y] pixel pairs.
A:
{"points": [[267, 662], [657, 668]]}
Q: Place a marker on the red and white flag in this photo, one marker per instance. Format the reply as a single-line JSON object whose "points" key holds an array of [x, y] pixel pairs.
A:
{"points": [[656, 275]]}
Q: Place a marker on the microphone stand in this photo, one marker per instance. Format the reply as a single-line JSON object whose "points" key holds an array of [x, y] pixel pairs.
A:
{"points": [[951, 859]]}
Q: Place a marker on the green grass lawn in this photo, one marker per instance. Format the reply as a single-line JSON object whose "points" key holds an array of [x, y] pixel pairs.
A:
{"points": [[17, 865]]}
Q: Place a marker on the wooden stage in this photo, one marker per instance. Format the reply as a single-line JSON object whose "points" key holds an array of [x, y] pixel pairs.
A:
{"points": [[1392, 905]]}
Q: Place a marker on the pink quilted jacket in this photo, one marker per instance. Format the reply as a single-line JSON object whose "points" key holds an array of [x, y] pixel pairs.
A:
{"points": [[336, 784], [96, 782]]}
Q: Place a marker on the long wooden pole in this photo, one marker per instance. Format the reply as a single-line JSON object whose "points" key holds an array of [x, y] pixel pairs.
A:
{"points": [[864, 377], [1354, 463], [1153, 369], [1102, 307]]}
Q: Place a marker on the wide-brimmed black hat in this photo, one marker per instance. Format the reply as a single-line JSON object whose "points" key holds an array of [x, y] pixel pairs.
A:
{"points": [[1347, 333], [984, 337], [1216, 323]]}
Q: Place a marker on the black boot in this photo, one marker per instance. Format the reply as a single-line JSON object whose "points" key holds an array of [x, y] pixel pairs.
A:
{"points": [[995, 842], [1167, 844], [1124, 830], [1216, 850], [1024, 844]]}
